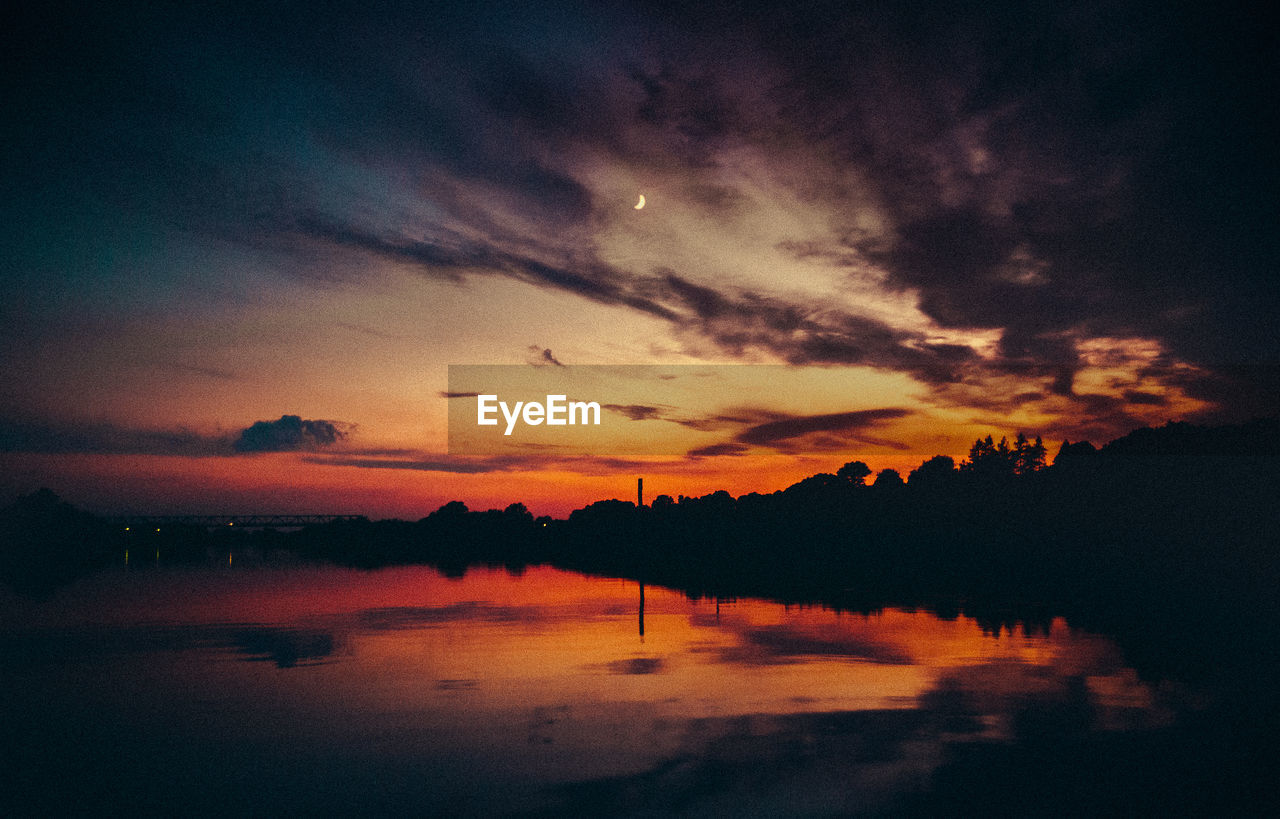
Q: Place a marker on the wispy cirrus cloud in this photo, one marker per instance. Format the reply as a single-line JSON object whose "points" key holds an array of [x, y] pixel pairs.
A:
{"points": [[532, 461], [714, 450], [806, 433], [851, 423]]}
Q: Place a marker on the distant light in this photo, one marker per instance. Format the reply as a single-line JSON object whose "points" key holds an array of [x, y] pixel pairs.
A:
{"points": [[231, 523], [157, 530], [126, 528]]}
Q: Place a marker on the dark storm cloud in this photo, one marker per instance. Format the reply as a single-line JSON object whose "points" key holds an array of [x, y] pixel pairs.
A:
{"points": [[1052, 174], [1252, 388], [1089, 168], [290, 433]]}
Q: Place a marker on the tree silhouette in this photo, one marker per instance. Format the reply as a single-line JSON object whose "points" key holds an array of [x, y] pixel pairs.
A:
{"points": [[854, 472], [1027, 457], [989, 459], [451, 509], [888, 479], [937, 471], [1070, 454]]}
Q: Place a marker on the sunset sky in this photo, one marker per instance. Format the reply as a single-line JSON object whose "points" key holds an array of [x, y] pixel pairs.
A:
{"points": [[242, 246]]}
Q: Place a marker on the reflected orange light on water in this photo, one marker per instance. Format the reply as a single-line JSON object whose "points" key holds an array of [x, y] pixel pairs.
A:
{"points": [[530, 681], [494, 640]]}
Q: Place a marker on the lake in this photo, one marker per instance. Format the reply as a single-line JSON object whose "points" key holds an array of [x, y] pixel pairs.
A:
{"points": [[266, 687]]}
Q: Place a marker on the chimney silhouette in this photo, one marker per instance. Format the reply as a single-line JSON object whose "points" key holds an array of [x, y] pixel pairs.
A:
{"points": [[639, 491]]}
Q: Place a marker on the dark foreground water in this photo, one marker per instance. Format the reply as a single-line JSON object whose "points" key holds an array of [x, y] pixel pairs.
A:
{"points": [[300, 688]]}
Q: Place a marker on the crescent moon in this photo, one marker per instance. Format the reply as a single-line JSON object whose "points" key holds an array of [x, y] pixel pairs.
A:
{"points": [[640, 204]]}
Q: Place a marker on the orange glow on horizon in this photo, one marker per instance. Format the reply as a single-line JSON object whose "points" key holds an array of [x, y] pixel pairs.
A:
{"points": [[281, 483]]}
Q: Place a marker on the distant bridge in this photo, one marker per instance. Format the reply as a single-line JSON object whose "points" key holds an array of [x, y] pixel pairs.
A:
{"points": [[216, 521]]}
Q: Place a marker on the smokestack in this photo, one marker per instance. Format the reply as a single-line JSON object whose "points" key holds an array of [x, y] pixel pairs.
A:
{"points": [[639, 491]]}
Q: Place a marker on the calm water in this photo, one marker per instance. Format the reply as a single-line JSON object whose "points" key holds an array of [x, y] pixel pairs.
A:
{"points": [[275, 688]]}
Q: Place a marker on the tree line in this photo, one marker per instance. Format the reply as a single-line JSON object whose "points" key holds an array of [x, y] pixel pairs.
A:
{"points": [[1158, 511]]}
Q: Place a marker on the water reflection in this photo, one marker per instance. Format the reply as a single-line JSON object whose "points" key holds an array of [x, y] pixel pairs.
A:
{"points": [[286, 648], [334, 689]]}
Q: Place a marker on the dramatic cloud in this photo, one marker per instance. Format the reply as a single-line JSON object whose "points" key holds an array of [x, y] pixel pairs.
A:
{"points": [[737, 323], [1055, 217], [290, 433], [453, 257]]}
